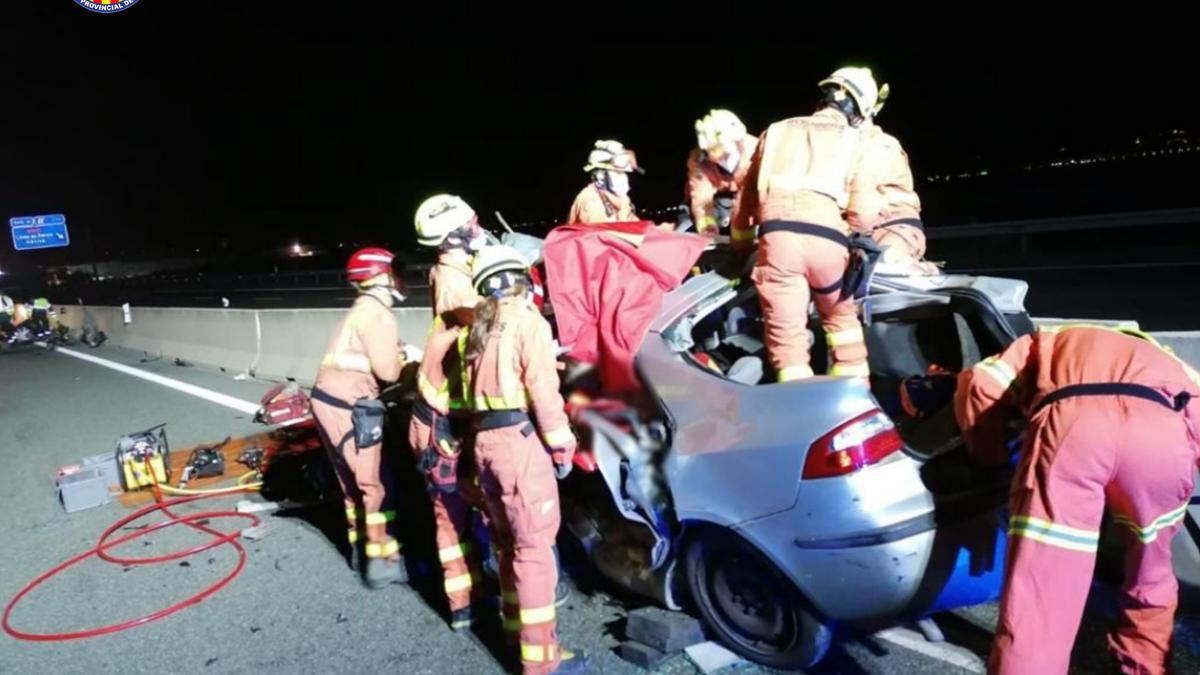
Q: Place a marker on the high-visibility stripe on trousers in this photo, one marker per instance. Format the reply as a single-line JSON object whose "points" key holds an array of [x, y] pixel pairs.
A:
{"points": [[365, 480], [521, 494], [452, 524]]}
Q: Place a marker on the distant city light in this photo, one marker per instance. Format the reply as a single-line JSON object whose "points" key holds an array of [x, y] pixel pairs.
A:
{"points": [[1173, 143]]}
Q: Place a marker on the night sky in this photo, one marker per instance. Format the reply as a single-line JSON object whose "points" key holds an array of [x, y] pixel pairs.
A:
{"points": [[184, 122]]}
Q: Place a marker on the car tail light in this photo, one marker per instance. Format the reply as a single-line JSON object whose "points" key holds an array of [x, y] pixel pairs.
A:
{"points": [[863, 441]]}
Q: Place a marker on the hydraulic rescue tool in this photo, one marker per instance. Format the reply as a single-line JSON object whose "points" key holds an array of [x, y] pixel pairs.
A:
{"points": [[144, 458]]}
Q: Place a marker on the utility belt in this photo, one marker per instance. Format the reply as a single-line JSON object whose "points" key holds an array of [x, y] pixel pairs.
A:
{"points": [[488, 420], [1177, 404], [796, 227], [864, 254], [367, 416], [911, 222], [441, 424]]}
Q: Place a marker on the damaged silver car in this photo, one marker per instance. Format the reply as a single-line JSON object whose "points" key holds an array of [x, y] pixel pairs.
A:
{"points": [[776, 510]]}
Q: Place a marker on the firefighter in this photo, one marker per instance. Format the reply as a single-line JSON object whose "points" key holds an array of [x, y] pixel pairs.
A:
{"points": [[716, 169], [889, 208], [523, 442], [365, 350], [801, 189], [606, 198], [440, 416], [39, 317], [1112, 425], [449, 224]]}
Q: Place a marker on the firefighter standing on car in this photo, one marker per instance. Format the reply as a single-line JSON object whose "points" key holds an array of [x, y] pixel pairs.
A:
{"points": [[523, 442], [1112, 425], [364, 351], [449, 224], [716, 169], [805, 183], [606, 198]]}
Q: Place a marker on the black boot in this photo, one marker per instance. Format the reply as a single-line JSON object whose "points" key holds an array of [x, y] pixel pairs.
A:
{"points": [[462, 619], [572, 663]]}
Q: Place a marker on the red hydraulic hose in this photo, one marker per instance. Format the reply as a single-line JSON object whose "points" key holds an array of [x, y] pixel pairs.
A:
{"points": [[101, 551]]}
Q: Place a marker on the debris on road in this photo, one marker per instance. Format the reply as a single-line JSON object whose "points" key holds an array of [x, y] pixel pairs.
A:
{"points": [[710, 657]]}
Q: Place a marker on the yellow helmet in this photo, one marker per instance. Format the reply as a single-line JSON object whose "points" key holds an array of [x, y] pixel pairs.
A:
{"points": [[859, 83], [612, 156], [440, 216], [717, 127]]}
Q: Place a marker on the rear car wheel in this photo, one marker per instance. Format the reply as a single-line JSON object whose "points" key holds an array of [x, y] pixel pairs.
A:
{"points": [[751, 606]]}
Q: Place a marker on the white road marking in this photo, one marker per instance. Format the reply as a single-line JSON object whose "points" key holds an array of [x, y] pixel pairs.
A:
{"points": [[200, 392], [942, 651]]}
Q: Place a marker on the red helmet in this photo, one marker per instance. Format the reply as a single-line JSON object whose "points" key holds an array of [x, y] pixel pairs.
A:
{"points": [[367, 263]]}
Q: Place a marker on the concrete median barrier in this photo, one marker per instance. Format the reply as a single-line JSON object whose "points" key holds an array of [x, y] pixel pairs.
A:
{"points": [[273, 344], [293, 341], [214, 337], [1186, 344], [278, 344]]}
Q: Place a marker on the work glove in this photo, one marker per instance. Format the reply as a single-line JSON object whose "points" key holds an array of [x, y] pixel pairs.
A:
{"points": [[562, 458]]}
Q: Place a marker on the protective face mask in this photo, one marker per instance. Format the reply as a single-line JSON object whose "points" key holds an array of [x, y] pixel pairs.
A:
{"points": [[618, 183]]}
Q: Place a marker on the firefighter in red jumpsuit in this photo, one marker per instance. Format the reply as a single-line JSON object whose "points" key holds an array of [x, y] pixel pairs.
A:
{"points": [[523, 442], [365, 350], [1112, 424], [606, 197], [449, 224], [716, 169], [803, 190]]}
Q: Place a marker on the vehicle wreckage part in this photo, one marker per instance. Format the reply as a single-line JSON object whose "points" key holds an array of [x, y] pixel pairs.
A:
{"points": [[617, 448]]}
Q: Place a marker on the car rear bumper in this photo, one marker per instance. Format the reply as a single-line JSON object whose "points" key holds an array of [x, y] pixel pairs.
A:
{"points": [[880, 545], [866, 575]]}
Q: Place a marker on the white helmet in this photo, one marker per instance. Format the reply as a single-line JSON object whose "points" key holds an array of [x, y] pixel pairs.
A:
{"points": [[612, 156], [440, 216], [859, 83], [496, 268], [717, 127]]}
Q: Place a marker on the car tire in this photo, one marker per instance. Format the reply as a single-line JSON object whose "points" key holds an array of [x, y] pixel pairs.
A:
{"points": [[752, 607]]}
